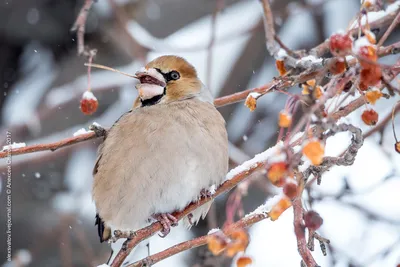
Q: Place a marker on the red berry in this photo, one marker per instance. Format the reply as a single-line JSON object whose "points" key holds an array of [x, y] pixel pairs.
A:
{"points": [[290, 190], [370, 117], [312, 220], [340, 44], [370, 76], [89, 103], [337, 66], [368, 53]]}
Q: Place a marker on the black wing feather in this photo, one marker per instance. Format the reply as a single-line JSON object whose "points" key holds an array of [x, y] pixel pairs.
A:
{"points": [[100, 227]]}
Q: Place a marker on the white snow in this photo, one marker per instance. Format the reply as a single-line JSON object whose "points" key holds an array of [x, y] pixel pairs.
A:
{"points": [[360, 42], [254, 95], [24, 256], [103, 265], [37, 175], [272, 154], [266, 207], [88, 95], [14, 146], [214, 230], [96, 124], [309, 58], [281, 55], [376, 15], [82, 131]]}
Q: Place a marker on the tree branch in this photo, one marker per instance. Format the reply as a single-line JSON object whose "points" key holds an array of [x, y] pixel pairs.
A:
{"points": [[200, 241]]}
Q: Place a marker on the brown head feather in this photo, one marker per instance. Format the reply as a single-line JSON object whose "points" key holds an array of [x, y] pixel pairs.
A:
{"points": [[186, 86]]}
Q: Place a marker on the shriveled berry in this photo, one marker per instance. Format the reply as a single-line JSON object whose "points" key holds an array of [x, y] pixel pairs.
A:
{"points": [[373, 96], [290, 190], [397, 147], [312, 220]]}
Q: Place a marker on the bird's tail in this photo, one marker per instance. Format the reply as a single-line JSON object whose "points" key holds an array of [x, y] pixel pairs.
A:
{"points": [[200, 212], [138, 253]]}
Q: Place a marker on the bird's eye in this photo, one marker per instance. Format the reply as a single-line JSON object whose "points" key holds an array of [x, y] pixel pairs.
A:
{"points": [[174, 75]]}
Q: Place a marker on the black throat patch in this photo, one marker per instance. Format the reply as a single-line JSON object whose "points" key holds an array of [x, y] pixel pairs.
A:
{"points": [[154, 100]]}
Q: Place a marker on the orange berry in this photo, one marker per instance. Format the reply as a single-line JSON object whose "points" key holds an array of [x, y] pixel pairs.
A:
{"points": [[280, 65], [277, 172], [240, 241], [240, 235], [88, 103], [397, 147], [371, 76], [279, 208], [243, 261], [306, 90], [233, 248], [314, 151], [216, 243], [370, 36], [370, 117], [311, 82], [368, 53], [338, 66], [285, 119], [318, 92], [340, 44], [251, 101], [373, 96]]}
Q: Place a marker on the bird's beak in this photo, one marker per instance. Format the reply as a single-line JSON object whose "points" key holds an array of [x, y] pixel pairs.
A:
{"points": [[152, 83]]}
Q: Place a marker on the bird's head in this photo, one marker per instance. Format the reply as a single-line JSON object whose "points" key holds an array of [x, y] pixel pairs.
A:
{"points": [[167, 79]]}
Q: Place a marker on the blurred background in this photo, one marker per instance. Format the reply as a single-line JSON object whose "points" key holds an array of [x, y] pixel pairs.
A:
{"points": [[42, 80]]}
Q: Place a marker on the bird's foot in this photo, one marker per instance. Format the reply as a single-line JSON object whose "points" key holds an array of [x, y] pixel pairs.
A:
{"points": [[167, 220], [98, 130], [205, 193], [121, 234]]}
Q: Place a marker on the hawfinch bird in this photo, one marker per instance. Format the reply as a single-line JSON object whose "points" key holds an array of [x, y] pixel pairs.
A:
{"points": [[159, 156]]}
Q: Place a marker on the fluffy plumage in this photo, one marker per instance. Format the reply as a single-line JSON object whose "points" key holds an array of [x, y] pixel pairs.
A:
{"points": [[159, 156]]}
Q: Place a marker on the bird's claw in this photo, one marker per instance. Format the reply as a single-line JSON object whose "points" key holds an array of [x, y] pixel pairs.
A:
{"points": [[121, 234], [205, 193], [98, 130], [167, 220]]}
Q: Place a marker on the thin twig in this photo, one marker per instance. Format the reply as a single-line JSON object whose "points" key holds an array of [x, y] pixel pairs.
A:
{"points": [[390, 29], [50, 146], [79, 26], [382, 123]]}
